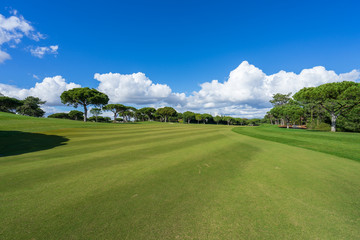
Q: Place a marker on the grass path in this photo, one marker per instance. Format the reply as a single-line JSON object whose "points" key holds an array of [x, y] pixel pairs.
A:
{"points": [[170, 181]]}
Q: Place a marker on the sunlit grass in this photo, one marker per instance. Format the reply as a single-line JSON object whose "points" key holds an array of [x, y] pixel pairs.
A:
{"points": [[170, 181]]}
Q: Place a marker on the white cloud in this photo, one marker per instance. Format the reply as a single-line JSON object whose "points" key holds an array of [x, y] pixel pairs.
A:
{"points": [[4, 56], [249, 86], [133, 88], [13, 29], [41, 51], [48, 90], [246, 93]]}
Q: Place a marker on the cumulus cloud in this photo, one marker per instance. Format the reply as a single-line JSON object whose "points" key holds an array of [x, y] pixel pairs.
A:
{"points": [[13, 29], [48, 90], [133, 88], [41, 51], [249, 86], [246, 92]]}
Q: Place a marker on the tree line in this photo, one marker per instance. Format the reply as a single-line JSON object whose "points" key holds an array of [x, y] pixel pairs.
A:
{"points": [[30, 106], [331, 105], [87, 97]]}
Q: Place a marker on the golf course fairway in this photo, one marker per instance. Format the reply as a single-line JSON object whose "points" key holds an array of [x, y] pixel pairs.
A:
{"points": [[64, 179]]}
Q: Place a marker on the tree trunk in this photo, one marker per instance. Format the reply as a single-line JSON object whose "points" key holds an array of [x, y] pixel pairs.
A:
{"points": [[333, 122], [114, 117], [165, 118], [85, 113]]}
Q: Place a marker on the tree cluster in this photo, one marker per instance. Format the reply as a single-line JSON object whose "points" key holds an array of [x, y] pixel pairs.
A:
{"points": [[87, 97], [30, 106], [336, 104], [122, 113]]}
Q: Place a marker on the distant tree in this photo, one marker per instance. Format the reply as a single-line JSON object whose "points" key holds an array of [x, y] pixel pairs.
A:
{"points": [[206, 117], [228, 119], [84, 97], [31, 107], [8, 104], [276, 113], [293, 112], [107, 119], [115, 108], [198, 117], [280, 99], [148, 112], [166, 112], [95, 112], [60, 115], [254, 121], [237, 121], [336, 98], [179, 117], [138, 116], [188, 116], [129, 113], [217, 119], [76, 115], [100, 119]]}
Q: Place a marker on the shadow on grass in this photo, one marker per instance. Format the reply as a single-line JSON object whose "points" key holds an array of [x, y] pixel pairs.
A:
{"points": [[16, 142]]}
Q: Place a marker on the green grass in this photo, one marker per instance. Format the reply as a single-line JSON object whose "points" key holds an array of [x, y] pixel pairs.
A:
{"points": [[340, 144], [168, 181]]}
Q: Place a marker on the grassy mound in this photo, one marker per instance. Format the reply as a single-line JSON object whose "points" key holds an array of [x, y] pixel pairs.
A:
{"points": [[339, 144], [169, 181]]}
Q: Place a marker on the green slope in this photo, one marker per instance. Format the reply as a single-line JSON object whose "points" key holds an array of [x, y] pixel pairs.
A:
{"points": [[340, 144], [170, 181]]}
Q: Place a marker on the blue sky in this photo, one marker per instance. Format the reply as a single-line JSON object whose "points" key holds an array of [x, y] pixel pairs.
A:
{"points": [[184, 44]]}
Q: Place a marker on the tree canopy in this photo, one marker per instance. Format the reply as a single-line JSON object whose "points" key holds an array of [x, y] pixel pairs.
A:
{"points": [[280, 99], [96, 112], [206, 117], [31, 107], [336, 98], [148, 112], [85, 97], [166, 112], [76, 115], [115, 108], [8, 104], [217, 119], [188, 116]]}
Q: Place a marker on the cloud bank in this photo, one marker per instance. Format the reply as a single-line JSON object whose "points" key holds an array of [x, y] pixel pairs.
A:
{"points": [[249, 86], [246, 92], [48, 90], [133, 88]]}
